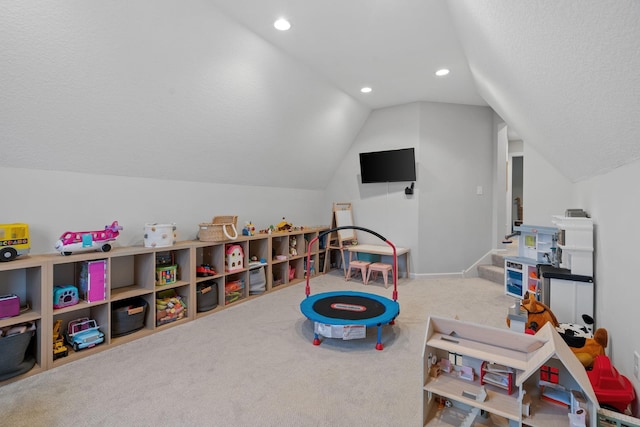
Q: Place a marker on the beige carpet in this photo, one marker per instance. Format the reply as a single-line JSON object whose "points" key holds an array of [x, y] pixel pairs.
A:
{"points": [[254, 365]]}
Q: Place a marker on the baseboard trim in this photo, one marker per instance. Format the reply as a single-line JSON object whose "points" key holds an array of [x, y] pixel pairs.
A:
{"points": [[459, 275]]}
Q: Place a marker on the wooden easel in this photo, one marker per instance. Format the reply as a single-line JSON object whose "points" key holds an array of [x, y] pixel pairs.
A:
{"points": [[342, 216]]}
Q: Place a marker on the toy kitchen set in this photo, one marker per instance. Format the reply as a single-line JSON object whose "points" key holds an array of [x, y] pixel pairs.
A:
{"points": [[555, 264]]}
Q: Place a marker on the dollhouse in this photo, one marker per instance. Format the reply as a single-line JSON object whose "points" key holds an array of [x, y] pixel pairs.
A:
{"points": [[473, 371]]}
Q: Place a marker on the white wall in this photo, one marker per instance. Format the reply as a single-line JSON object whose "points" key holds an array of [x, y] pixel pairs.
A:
{"points": [[383, 208], [445, 223], [455, 223], [55, 202], [614, 203], [546, 191]]}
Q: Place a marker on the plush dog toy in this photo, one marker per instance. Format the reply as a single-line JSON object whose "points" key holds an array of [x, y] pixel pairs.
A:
{"points": [[585, 346]]}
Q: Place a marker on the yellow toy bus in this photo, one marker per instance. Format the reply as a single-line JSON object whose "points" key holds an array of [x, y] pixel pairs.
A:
{"points": [[14, 241]]}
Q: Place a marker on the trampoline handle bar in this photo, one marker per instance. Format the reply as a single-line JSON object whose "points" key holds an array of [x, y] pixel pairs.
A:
{"points": [[307, 288], [348, 227]]}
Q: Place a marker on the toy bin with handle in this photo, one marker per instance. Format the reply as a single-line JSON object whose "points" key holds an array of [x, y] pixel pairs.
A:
{"points": [[207, 295], [128, 316], [220, 229], [15, 357]]}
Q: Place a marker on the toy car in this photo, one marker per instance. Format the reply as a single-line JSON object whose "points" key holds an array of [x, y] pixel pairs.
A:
{"points": [[59, 349], [71, 241], [83, 333], [205, 270]]}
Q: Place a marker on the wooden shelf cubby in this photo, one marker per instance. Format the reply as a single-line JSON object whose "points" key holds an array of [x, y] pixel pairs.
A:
{"points": [[131, 274]]}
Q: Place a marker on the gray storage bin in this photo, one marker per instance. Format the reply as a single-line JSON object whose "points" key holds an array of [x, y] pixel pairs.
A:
{"points": [[257, 280], [128, 316], [207, 295], [14, 357]]}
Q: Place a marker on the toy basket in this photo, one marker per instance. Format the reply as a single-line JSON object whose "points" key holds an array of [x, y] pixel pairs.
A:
{"points": [[159, 235], [220, 229]]}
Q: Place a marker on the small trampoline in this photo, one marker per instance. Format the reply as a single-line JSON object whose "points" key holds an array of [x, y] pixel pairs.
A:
{"points": [[349, 308]]}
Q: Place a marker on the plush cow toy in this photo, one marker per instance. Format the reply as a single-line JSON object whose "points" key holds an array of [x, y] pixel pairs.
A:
{"points": [[585, 346]]}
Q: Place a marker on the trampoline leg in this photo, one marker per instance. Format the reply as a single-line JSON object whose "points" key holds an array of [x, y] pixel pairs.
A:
{"points": [[316, 340], [379, 345]]}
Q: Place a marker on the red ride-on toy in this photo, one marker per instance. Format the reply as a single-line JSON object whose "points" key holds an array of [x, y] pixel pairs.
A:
{"points": [[614, 391]]}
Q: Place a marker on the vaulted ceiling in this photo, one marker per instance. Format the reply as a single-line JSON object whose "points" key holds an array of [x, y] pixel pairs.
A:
{"points": [[208, 90]]}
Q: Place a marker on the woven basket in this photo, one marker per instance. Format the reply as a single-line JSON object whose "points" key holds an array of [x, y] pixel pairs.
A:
{"points": [[221, 229]]}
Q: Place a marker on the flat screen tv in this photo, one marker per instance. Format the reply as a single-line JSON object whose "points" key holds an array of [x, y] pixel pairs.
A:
{"points": [[388, 166]]}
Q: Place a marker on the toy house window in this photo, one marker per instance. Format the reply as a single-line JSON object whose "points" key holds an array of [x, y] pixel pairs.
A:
{"points": [[455, 359], [549, 374]]}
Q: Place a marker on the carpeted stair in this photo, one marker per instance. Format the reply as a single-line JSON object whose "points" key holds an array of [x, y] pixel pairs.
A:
{"points": [[493, 272]]}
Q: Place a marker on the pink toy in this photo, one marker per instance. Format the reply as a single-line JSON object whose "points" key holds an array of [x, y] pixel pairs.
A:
{"points": [[234, 258], [72, 241]]}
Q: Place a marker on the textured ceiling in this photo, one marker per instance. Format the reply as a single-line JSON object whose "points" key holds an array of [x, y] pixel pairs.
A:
{"points": [[207, 90], [565, 75], [393, 46]]}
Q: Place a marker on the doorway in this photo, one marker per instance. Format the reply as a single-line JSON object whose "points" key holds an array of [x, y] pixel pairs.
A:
{"points": [[515, 193]]}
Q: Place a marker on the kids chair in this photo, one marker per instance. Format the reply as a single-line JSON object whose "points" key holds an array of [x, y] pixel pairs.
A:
{"points": [[358, 265], [379, 267]]}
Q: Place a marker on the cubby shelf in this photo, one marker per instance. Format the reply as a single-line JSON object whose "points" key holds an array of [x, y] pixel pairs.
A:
{"points": [[131, 273]]}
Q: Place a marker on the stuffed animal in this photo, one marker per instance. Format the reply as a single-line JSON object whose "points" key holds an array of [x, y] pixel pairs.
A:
{"points": [[293, 251], [583, 345]]}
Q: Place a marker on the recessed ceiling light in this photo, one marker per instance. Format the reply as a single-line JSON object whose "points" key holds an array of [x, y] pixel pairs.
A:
{"points": [[282, 24], [442, 72], [366, 89]]}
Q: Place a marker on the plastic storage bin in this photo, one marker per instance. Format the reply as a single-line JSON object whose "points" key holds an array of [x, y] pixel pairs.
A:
{"points": [[257, 280], [207, 296], [128, 316], [169, 307], [233, 291]]}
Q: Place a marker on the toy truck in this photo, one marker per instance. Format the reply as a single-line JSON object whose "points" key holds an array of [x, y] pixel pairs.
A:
{"points": [[59, 349], [14, 241], [83, 333]]}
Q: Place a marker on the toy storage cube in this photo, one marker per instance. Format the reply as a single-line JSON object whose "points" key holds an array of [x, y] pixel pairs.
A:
{"points": [[234, 258], [128, 316], [257, 281], [207, 295]]}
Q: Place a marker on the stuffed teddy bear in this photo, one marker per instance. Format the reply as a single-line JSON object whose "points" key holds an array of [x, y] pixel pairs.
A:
{"points": [[585, 347]]}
